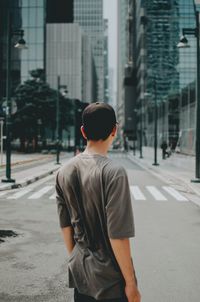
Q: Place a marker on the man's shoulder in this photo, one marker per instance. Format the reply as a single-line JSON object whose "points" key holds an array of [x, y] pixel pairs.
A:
{"points": [[68, 168], [113, 169]]}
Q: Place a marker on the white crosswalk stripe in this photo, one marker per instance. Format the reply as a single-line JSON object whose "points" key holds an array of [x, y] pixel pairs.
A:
{"points": [[3, 193], [19, 194], [137, 193], [156, 193], [53, 196], [175, 194], [163, 193], [41, 192]]}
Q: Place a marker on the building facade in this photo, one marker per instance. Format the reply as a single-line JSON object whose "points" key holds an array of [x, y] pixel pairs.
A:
{"points": [[13, 9], [126, 100], [122, 57], [33, 23], [165, 74], [89, 15], [63, 57], [106, 71]]}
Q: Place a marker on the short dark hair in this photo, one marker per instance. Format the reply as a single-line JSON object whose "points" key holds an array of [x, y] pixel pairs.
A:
{"points": [[98, 119]]}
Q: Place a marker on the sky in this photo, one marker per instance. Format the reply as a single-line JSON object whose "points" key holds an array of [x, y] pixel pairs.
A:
{"points": [[110, 13]]}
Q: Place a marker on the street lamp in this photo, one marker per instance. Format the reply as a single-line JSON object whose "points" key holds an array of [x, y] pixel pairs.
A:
{"points": [[183, 43], [141, 128], [21, 44], [155, 125], [59, 86]]}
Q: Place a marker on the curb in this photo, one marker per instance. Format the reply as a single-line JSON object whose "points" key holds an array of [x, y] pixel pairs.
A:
{"points": [[168, 179], [28, 181]]}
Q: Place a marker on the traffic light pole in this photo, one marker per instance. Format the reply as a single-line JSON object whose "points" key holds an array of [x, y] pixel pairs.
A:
{"points": [[155, 125], [8, 105]]}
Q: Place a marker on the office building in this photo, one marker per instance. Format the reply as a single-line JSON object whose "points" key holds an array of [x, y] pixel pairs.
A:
{"points": [[13, 8], [33, 24], [63, 57], [165, 74], [89, 76], [126, 100], [122, 58], [106, 72], [89, 15]]}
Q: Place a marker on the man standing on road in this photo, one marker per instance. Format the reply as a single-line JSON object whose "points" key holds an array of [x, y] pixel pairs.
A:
{"points": [[95, 213]]}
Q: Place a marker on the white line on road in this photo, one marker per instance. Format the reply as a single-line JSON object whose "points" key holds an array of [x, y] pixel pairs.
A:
{"points": [[41, 192], [53, 196], [137, 194], [156, 193], [175, 194], [4, 193], [19, 194]]}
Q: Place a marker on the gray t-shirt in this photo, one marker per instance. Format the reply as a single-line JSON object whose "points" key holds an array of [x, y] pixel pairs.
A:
{"points": [[93, 197]]}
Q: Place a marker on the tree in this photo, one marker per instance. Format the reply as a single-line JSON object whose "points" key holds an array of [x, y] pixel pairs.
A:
{"points": [[36, 103]]}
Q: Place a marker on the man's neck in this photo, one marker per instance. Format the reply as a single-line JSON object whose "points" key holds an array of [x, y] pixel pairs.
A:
{"points": [[98, 147]]}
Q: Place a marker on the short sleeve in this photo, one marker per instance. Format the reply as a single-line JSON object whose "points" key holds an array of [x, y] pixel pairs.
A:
{"points": [[63, 213], [120, 222]]}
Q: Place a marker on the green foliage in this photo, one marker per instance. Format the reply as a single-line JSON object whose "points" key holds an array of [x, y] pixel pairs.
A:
{"points": [[36, 103]]}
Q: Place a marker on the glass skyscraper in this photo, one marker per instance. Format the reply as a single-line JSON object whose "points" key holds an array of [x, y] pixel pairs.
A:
{"points": [[33, 23], [89, 15], [12, 8], [165, 72]]}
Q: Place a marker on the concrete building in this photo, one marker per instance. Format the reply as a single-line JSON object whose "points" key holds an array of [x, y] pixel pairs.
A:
{"points": [[106, 72], [89, 76], [89, 15], [69, 55], [64, 57], [126, 99], [122, 57]]}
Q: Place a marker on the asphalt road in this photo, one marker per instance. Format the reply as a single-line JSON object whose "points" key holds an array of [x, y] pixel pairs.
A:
{"points": [[165, 251]]}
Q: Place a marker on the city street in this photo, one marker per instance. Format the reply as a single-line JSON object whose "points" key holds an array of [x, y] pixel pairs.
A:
{"points": [[165, 251]]}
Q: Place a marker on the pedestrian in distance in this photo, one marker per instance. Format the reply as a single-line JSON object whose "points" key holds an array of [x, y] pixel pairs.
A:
{"points": [[164, 147], [95, 214]]}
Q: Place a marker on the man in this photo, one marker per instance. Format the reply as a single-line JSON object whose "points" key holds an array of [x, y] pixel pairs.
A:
{"points": [[95, 213]]}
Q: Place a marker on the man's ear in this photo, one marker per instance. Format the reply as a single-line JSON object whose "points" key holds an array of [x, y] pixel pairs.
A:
{"points": [[83, 132], [113, 133]]}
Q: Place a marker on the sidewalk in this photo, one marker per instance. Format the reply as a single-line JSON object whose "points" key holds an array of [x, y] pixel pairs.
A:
{"points": [[177, 170], [32, 174], [18, 158]]}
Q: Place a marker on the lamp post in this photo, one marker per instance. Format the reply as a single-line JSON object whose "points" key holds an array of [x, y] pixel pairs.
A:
{"points": [[21, 44], [155, 125], [183, 43], [1, 133], [141, 128], [59, 86]]}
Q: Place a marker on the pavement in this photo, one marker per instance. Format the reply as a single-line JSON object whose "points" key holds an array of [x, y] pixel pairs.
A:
{"points": [[32, 167], [165, 250], [177, 170]]}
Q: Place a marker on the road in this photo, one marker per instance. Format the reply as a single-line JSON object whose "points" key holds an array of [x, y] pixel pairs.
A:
{"points": [[165, 251]]}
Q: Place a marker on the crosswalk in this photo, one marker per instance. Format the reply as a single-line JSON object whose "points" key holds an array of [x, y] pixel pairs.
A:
{"points": [[158, 194], [149, 192]]}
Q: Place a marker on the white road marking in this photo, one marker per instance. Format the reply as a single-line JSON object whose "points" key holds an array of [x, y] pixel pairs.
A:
{"points": [[137, 194], [41, 192], [175, 194], [4, 193], [156, 193], [53, 196], [19, 194]]}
